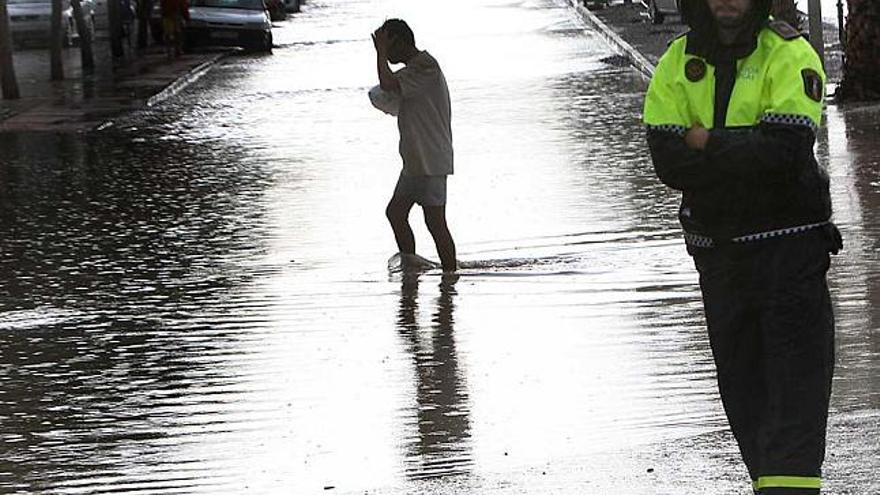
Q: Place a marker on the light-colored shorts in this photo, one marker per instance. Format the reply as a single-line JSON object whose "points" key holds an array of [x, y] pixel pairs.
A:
{"points": [[426, 190]]}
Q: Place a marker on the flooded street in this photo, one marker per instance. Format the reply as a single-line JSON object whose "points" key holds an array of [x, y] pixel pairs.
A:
{"points": [[196, 300]]}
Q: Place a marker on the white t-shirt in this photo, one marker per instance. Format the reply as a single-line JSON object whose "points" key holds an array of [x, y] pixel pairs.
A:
{"points": [[424, 118]]}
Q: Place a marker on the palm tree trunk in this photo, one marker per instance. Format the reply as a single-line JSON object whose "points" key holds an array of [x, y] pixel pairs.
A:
{"points": [[115, 26], [7, 71], [860, 81], [55, 43]]}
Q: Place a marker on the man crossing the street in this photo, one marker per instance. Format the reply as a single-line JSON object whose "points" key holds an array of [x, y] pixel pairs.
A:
{"points": [[424, 122]]}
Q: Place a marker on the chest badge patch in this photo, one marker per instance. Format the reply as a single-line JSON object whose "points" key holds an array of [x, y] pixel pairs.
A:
{"points": [[695, 69], [812, 84], [748, 73]]}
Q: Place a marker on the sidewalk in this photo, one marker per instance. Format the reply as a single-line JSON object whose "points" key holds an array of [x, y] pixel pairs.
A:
{"points": [[83, 102], [637, 37]]}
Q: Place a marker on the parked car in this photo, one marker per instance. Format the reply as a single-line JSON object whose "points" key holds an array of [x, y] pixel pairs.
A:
{"points": [[292, 5], [243, 23], [659, 9], [31, 20]]}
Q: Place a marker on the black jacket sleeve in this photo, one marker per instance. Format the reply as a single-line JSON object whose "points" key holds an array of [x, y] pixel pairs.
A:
{"points": [[678, 166], [766, 153]]}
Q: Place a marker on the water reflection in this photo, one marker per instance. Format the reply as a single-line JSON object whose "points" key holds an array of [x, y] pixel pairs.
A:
{"points": [[114, 256], [442, 445], [857, 286], [90, 221]]}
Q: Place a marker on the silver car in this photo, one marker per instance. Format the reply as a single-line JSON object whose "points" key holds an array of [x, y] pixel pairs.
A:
{"points": [[243, 23], [659, 9], [31, 20]]}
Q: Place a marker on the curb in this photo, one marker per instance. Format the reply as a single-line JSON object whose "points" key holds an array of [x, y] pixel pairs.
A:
{"points": [[641, 64], [185, 80], [76, 119]]}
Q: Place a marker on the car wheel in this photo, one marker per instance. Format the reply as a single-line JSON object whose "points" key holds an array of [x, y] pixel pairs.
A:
{"points": [[654, 13], [266, 45]]}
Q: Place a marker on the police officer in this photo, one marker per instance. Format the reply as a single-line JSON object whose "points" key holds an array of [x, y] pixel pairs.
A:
{"points": [[732, 113]]}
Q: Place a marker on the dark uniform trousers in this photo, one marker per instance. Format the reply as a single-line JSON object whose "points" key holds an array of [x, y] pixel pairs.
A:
{"points": [[771, 329]]}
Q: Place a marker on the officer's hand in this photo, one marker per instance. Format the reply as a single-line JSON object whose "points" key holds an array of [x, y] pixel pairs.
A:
{"points": [[697, 137]]}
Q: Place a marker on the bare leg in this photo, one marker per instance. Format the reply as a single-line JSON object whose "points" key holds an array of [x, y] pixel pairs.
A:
{"points": [[435, 219], [398, 215]]}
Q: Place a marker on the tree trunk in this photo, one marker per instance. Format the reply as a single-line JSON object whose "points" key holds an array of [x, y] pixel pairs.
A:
{"points": [[7, 71], [84, 29], [144, 8], [860, 81], [56, 43], [115, 27], [786, 10]]}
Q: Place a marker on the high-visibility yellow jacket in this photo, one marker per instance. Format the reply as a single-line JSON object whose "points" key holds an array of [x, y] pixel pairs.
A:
{"points": [[762, 105]]}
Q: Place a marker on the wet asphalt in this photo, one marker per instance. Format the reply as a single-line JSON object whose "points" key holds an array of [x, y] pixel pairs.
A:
{"points": [[196, 299]]}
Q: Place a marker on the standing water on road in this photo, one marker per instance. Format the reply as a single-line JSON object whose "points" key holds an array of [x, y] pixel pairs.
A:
{"points": [[197, 299]]}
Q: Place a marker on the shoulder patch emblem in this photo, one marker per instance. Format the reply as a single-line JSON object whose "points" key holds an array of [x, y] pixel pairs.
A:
{"points": [[812, 84], [695, 69], [784, 30]]}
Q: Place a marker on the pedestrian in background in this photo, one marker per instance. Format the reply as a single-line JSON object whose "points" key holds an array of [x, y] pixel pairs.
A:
{"points": [[174, 14], [424, 119], [732, 113]]}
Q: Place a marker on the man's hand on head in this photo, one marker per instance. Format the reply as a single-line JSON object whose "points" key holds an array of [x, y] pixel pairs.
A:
{"points": [[380, 41], [697, 137], [387, 81]]}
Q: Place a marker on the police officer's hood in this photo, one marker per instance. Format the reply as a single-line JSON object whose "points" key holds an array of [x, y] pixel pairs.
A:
{"points": [[703, 36]]}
